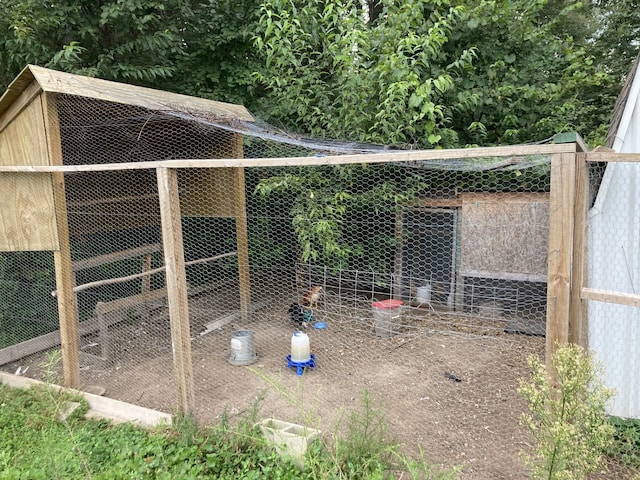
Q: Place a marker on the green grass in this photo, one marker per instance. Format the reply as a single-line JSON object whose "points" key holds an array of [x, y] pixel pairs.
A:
{"points": [[35, 445]]}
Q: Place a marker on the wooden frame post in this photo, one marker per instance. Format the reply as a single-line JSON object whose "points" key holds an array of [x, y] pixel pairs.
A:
{"points": [[65, 277], [561, 250], [242, 242], [578, 318], [242, 236], [177, 296]]}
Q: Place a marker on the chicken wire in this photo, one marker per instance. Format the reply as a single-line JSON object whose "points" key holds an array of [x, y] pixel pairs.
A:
{"points": [[460, 244]]}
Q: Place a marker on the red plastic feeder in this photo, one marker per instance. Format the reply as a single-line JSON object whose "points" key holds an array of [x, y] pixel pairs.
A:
{"points": [[387, 314]]}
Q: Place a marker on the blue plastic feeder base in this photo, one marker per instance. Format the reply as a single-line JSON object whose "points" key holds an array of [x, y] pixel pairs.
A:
{"points": [[300, 365]]}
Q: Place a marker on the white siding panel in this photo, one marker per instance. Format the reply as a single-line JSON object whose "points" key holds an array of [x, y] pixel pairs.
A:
{"points": [[614, 264]]}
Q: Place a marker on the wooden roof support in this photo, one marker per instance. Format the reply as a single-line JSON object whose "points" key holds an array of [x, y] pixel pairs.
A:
{"points": [[177, 296], [67, 304]]}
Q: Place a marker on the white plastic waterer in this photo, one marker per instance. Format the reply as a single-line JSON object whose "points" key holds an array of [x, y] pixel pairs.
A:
{"points": [[300, 348]]}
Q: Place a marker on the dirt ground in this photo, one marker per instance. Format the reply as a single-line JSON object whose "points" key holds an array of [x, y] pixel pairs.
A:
{"points": [[446, 384]]}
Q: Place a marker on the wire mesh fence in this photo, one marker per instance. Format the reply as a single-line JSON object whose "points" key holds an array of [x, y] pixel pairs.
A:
{"points": [[423, 283]]}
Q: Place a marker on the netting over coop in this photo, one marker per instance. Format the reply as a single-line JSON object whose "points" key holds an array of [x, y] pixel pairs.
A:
{"points": [[55, 118]]}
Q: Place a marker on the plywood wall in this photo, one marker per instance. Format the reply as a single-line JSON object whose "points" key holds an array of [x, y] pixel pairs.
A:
{"points": [[504, 233], [27, 219]]}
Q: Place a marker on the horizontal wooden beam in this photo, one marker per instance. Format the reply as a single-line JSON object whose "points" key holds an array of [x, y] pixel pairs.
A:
{"points": [[383, 157], [518, 277], [612, 157], [102, 407], [79, 265], [146, 273], [629, 299]]}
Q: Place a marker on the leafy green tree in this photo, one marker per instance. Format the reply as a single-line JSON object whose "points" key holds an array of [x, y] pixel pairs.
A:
{"points": [[617, 40], [335, 74], [532, 74], [440, 73], [220, 59], [138, 41]]}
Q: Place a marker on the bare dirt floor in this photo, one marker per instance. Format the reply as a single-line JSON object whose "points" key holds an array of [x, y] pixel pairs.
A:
{"points": [[446, 384]]}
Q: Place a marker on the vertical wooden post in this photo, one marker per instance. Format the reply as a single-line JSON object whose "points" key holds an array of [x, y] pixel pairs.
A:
{"points": [[561, 231], [176, 286], [242, 237], [578, 326], [145, 286], [65, 278]]}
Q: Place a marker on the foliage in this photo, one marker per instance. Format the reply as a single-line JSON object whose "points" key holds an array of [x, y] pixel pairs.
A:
{"points": [[219, 56], [25, 277], [533, 77], [35, 445], [443, 73], [626, 441], [340, 77], [135, 41], [567, 419], [195, 48], [327, 200]]}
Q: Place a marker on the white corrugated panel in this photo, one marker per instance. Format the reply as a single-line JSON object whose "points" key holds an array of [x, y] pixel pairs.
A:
{"points": [[614, 264]]}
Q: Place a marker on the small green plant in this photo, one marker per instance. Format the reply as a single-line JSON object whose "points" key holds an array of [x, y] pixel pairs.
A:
{"points": [[625, 447], [49, 367], [567, 420]]}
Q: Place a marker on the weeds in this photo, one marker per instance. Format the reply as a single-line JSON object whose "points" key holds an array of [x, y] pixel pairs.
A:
{"points": [[567, 421]]}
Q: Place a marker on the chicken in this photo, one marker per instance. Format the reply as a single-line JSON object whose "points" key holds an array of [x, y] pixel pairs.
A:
{"points": [[311, 298]]}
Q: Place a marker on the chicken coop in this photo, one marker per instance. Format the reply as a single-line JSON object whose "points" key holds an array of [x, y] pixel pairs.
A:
{"points": [[167, 246], [96, 221]]}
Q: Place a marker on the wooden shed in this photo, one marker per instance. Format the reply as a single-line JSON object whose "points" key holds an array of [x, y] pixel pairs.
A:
{"points": [[481, 250], [50, 118]]}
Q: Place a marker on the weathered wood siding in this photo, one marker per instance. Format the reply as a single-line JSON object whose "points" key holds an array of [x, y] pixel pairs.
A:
{"points": [[505, 233], [27, 219]]}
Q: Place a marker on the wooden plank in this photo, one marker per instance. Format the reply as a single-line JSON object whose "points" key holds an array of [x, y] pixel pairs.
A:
{"points": [[578, 318], [176, 286], [26, 200], [629, 299], [67, 307], [104, 308], [382, 157], [205, 193], [561, 229], [85, 263], [50, 340], [518, 277], [612, 157], [41, 343], [100, 406], [242, 235], [70, 84], [102, 201], [143, 274], [19, 101], [492, 237], [397, 261]]}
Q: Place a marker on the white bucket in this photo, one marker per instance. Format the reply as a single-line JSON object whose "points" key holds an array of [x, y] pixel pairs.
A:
{"points": [[424, 294], [300, 348]]}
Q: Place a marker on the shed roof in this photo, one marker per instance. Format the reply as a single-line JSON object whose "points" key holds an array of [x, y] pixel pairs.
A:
{"points": [[624, 108], [60, 82]]}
